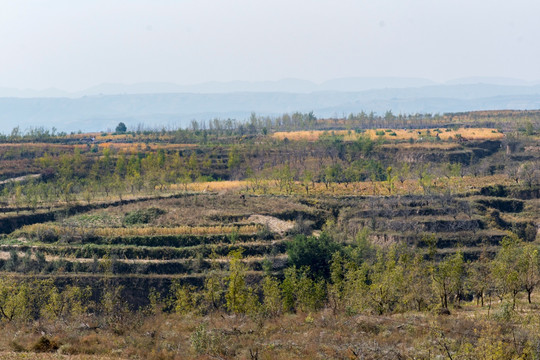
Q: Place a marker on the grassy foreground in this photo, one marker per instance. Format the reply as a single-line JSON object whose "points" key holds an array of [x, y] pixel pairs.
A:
{"points": [[467, 333]]}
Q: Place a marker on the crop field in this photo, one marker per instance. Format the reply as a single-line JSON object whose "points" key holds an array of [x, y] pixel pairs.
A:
{"points": [[397, 134], [211, 186], [33, 230], [362, 188]]}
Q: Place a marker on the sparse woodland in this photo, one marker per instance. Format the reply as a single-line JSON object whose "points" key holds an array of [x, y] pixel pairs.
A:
{"points": [[365, 237]]}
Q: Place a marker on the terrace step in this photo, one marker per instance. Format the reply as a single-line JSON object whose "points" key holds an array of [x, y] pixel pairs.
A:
{"points": [[88, 251], [443, 240]]}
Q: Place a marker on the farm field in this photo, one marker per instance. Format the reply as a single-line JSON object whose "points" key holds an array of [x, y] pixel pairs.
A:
{"points": [[397, 134], [362, 188]]}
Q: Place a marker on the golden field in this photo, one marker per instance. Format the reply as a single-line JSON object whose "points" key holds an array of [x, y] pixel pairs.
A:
{"points": [[400, 134], [143, 231], [409, 186]]}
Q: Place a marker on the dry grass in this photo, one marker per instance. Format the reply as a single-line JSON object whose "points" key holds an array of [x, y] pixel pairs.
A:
{"points": [[211, 186], [46, 146], [133, 148], [142, 231], [423, 146], [319, 335], [416, 134], [211, 208], [55, 356], [409, 186]]}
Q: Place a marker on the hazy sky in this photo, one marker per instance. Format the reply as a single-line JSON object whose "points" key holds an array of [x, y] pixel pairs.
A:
{"points": [[72, 44]]}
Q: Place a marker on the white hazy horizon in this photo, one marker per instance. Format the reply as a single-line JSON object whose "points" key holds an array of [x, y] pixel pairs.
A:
{"points": [[76, 45]]}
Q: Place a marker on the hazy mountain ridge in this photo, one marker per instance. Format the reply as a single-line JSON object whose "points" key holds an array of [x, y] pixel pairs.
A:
{"points": [[350, 84], [179, 108]]}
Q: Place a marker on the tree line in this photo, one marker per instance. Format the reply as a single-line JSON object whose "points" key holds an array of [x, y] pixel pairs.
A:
{"points": [[205, 130]]}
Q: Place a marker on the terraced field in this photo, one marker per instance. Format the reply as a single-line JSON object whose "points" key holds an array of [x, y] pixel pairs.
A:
{"points": [[185, 236], [174, 237]]}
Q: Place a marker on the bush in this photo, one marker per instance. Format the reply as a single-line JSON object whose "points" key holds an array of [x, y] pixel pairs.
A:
{"points": [[16, 347], [205, 178], [265, 233], [204, 341], [45, 345], [312, 251], [46, 235], [142, 216]]}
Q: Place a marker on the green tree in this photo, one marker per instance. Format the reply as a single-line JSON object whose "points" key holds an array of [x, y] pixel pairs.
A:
{"points": [[530, 265], [404, 172], [133, 174], [271, 296], [336, 289], [186, 298], [234, 161], [113, 308], [15, 300], [314, 252], [529, 128], [121, 128], [386, 282], [480, 278], [254, 179], [332, 174], [425, 180], [310, 293], [239, 296], [214, 285], [356, 287], [448, 277], [417, 292], [18, 197], [529, 173], [284, 177], [390, 180], [307, 180], [288, 289], [508, 268], [71, 302]]}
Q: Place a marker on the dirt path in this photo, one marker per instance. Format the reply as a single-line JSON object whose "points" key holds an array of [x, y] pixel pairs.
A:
{"points": [[20, 178], [274, 224]]}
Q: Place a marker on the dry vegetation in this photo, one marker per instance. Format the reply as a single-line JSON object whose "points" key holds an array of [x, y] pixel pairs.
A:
{"points": [[133, 148], [396, 134], [208, 209], [31, 230], [364, 188], [206, 186], [323, 335]]}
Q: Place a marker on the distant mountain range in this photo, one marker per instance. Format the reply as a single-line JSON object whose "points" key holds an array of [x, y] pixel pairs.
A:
{"points": [[162, 104], [352, 84], [284, 85]]}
